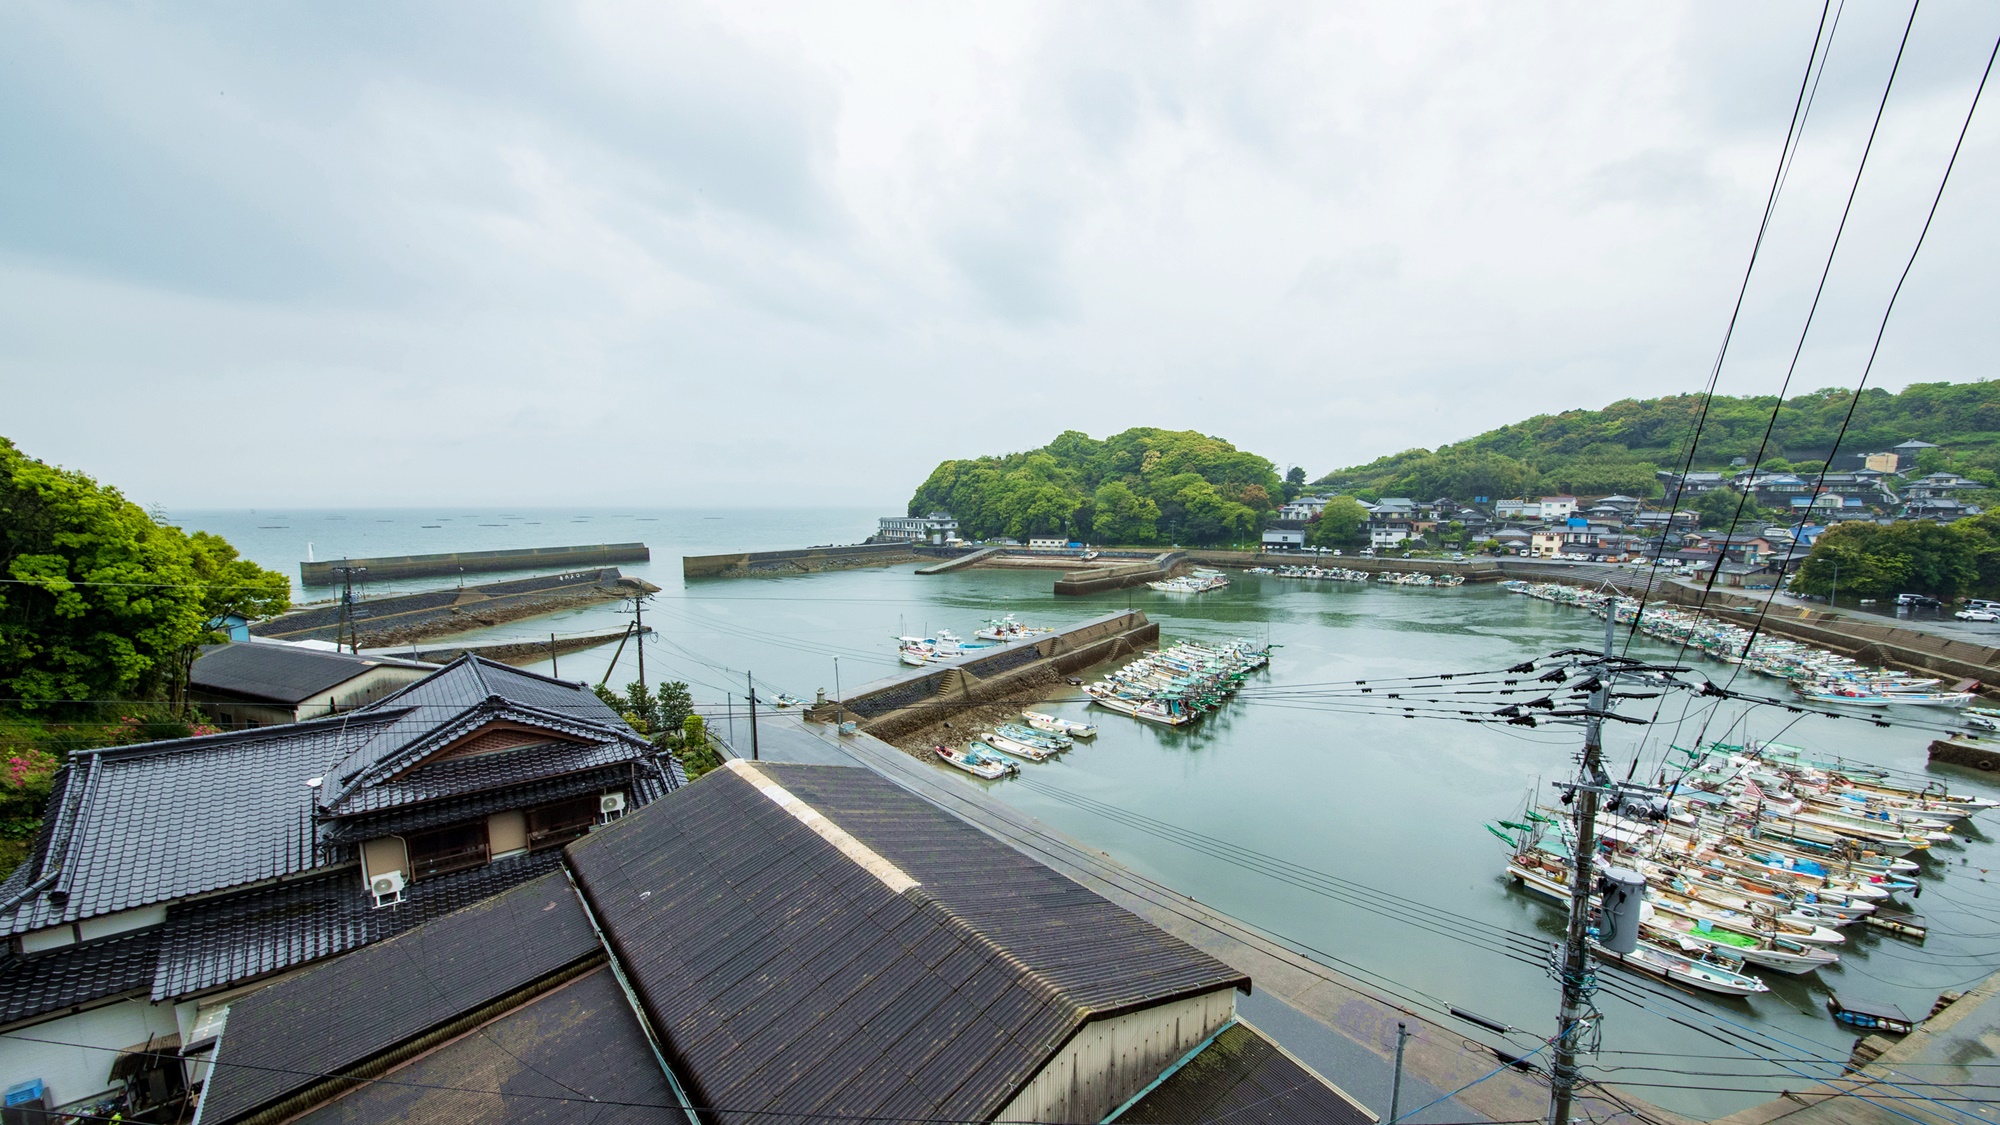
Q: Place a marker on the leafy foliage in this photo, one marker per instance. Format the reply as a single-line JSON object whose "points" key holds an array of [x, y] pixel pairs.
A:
{"points": [[1618, 448], [1908, 556], [698, 754], [1144, 486], [1342, 525], [33, 748], [106, 602], [648, 712]]}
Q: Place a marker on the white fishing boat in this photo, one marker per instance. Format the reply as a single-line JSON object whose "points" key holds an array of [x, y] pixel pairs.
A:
{"points": [[1689, 969], [980, 763], [1030, 735], [1058, 725], [1004, 745]]}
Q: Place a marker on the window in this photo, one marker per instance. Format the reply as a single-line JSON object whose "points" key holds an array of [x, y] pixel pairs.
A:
{"points": [[444, 850], [557, 824]]}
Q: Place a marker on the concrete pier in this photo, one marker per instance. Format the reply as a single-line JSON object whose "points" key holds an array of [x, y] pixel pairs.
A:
{"points": [[904, 705], [327, 572]]}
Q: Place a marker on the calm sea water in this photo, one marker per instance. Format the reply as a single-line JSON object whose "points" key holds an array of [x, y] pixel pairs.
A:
{"points": [[1381, 802]]}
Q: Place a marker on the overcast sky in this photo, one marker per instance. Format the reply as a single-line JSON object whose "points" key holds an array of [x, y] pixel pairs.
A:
{"points": [[311, 254]]}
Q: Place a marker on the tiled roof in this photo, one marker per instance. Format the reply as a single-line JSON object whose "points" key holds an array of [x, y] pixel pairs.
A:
{"points": [[208, 944], [279, 673], [787, 978], [331, 1017], [1243, 1077], [404, 819], [468, 692], [138, 825], [63, 978]]}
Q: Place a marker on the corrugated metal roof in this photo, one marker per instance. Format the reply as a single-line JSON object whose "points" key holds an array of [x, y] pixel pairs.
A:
{"points": [[787, 978], [1244, 1079], [576, 1055], [281, 673], [336, 1015], [220, 941]]}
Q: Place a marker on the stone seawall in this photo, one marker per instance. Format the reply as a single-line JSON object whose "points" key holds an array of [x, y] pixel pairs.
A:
{"points": [[328, 572], [808, 560], [1099, 580], [906, 706]]}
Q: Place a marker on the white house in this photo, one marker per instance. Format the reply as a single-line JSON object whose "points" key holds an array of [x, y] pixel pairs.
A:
{"points": [[936, 528], [1303, 508], [1558, 507]]}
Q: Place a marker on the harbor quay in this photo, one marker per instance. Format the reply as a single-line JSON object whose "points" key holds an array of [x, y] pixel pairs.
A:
{"points": [[909, 708]]}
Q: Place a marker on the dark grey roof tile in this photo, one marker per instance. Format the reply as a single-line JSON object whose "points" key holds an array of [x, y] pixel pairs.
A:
{"points": [[64, 978]]}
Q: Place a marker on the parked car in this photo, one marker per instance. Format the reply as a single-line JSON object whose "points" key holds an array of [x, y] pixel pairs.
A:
{"points": [[1977, 615], [1916, 601], [1986, 604]]}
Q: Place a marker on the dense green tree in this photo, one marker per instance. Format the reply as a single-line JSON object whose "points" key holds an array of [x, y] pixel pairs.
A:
{"points": [[1908, 556], [103, 601], [1725, 509], [1295, 482], [1123, 516], [1173, 486], [1616, 449], [1342, 525]]}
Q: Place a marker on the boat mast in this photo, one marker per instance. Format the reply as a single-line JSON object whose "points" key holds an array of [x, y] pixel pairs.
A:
{"points": [[1576, 949]]}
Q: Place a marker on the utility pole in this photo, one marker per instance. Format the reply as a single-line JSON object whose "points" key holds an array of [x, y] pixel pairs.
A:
{"points": [[1576, 950], [639, 627], [1396, 1085], [752, 680], [552, 657]]}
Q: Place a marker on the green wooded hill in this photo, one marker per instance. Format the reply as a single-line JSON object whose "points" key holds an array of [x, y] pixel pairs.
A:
{"points": [[1144, 486], [1618, 448]]}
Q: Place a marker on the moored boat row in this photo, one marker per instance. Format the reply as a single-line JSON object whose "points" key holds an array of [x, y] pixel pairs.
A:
{"points": [[1758, 860]]}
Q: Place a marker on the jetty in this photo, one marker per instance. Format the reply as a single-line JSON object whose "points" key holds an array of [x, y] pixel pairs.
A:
{"points": [[907, 705], [330, 572], [809, 560], [400, 619]]}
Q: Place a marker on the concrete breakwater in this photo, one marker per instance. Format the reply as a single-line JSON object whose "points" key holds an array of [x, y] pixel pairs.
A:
{"points": [[807, 560], [328, 572], [513, 652], [906, 707], [1099, 579], [403, 618]]}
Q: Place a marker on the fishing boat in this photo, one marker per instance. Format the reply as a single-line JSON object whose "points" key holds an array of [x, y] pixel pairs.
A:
{"points": [[1709, 971], [1057, 725], [1008, 629], [1870, 1015], [1781, 954], [980, 762], [1000, 743], [784, 700], [1027, 734]]}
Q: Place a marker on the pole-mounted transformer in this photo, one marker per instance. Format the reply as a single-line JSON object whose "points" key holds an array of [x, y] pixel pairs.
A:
{"points": [[1618, 920]]}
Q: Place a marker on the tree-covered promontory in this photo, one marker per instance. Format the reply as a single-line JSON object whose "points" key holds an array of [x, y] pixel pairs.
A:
{"points": [[1141, 487], [1619, 448]]}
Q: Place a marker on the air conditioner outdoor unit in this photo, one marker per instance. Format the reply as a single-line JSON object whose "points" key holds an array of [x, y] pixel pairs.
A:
{"points": [[611, 806], [387, 888]]}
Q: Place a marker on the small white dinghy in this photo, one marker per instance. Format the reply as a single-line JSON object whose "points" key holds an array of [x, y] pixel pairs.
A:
{"points": [[978, 761], [1055, 724]]}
